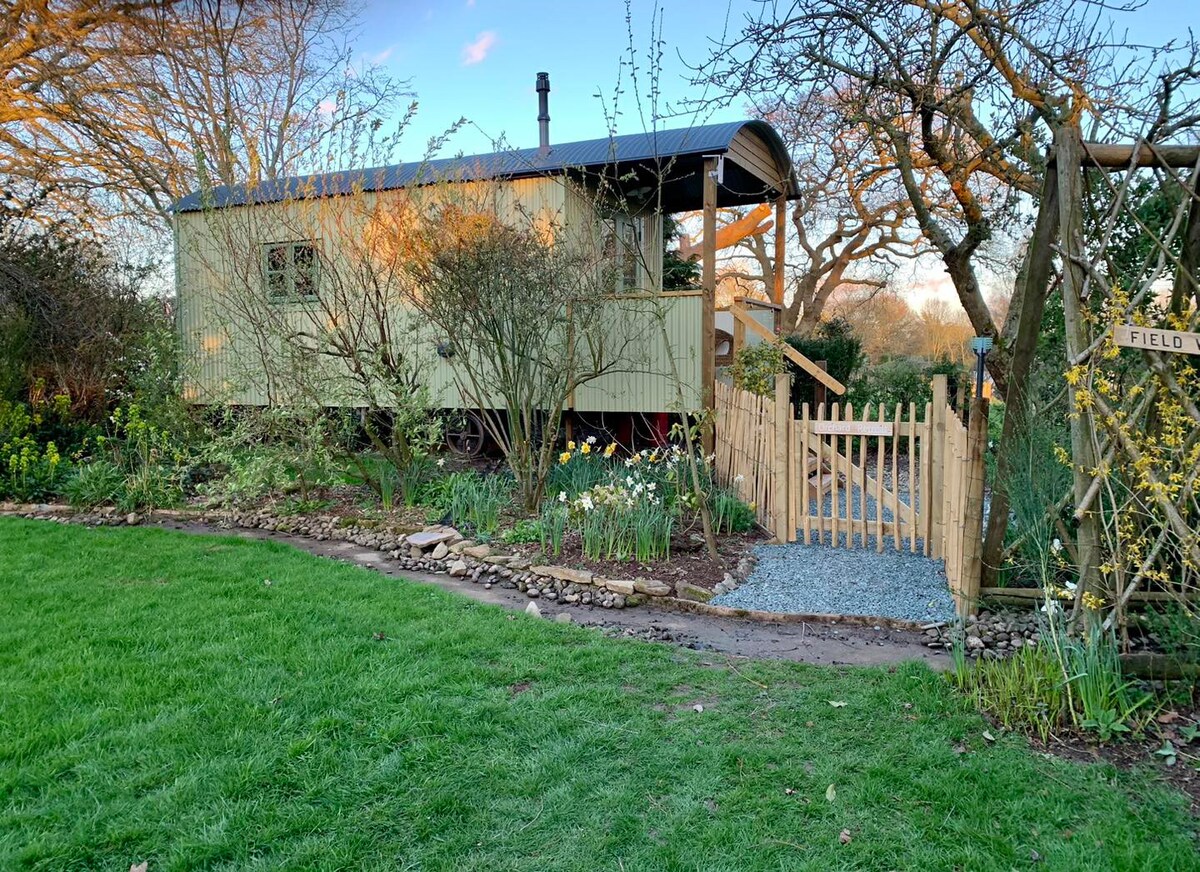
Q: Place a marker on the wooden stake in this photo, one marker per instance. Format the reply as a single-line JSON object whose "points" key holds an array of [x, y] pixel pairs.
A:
{"points": [[972, 528], [708, 316], [937, 464], [779, 468]]}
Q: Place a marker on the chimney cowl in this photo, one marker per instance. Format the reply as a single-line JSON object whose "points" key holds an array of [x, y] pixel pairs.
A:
{"points": [[543, 91]]}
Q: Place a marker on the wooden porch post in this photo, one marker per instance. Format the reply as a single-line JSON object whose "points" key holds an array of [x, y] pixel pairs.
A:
{"points": [[708, 317], [780, 246]]}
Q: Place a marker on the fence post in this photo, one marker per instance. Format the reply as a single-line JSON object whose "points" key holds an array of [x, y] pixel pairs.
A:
{"points": [[937, 469], [780, 499], [972, 532]]}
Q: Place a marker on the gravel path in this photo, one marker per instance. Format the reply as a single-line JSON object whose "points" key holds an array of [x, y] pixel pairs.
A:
{"points": [[822, 580]]}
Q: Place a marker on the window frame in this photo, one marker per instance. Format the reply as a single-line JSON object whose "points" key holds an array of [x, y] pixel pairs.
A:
{"points": [[289, 271], [626, 235]]}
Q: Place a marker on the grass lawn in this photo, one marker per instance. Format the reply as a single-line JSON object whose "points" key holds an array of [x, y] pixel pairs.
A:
{"points": [[162, 701]]}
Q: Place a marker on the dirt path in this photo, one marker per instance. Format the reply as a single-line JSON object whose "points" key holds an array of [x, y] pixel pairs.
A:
{"points": [[818, 643]]}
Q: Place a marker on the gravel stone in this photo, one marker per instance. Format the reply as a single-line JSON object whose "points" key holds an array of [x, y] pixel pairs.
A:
{"points": [[817, 579]]}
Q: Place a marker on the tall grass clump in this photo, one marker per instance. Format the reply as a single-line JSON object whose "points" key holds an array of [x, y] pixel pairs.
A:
{"points": [[553, 526], [471, 500], [730, 514]]}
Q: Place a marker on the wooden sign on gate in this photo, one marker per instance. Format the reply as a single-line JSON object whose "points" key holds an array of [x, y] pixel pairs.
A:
{"points": [[1157, 340], [852, 428]]}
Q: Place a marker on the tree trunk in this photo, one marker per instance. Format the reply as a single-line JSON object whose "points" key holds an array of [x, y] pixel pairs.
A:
{"points": [[1030, 300], [1069, 148]]}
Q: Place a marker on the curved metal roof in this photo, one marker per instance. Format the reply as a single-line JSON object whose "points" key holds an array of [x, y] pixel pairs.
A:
{"points": [[618, 152]]}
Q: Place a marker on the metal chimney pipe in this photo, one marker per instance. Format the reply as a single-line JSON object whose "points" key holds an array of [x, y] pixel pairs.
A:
{"points": [[543, 89]]}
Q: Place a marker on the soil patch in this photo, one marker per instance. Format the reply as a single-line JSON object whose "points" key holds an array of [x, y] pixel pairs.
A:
{"points": [[689, 559]]}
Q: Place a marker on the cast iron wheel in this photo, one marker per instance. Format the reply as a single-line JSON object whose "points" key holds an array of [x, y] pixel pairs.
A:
{"points": [[464, 435]]}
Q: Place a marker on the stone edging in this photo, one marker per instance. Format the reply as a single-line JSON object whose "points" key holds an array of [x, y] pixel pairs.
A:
{"points": [[435, 549], [698, 608]]}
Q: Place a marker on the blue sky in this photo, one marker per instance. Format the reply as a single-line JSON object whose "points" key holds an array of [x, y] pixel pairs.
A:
{"points": [[478, 58]]}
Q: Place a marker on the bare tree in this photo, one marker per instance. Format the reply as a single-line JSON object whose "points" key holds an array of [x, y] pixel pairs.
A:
{"points": [[134, 108], [852, 219]]}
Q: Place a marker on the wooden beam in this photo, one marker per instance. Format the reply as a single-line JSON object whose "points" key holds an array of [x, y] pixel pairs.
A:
{"points": [[792, 354], [780, 245], [1119, 156], [708, 316]]}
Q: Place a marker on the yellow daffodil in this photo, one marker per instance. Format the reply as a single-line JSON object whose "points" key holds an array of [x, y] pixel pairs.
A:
{"points": [[585, 449], [564, 457]]}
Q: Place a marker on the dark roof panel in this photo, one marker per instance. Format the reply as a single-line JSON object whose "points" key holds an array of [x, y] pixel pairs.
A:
{"points": [[517, 163]]}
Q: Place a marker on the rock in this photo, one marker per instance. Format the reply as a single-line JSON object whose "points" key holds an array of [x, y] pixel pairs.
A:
{"points": [[576, 576], [440, 551], [532, 609], [974, 643], [477, 551], [133, 519], [650, 587], [617, 585], [458, 569], [688, 591], [561, 617], [499, 559], [415, 553], [457, 547], [533, 593], [429, 538]]}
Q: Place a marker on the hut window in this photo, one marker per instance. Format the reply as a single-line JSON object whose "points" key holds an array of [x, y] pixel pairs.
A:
{"points": [[623, 248], [290, 271]]}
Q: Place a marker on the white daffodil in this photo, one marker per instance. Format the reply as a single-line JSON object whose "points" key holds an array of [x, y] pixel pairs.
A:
{"points": [[1056, 545]]}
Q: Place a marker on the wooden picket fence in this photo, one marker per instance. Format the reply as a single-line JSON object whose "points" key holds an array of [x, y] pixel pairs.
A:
{"points": [[874, 478]]}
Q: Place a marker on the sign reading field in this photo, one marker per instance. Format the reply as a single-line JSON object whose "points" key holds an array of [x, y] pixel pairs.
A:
{"points": [[1157, 340]]}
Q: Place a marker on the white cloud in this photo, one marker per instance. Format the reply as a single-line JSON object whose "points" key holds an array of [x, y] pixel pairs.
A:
{"points": [[379, 57], [475, 52]]}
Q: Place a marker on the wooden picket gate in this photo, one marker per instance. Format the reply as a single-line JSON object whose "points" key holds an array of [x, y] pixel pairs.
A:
{"points": [[874, 478]]}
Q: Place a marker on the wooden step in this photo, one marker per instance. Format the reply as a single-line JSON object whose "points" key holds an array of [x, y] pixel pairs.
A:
{"points": [[824, 485]]}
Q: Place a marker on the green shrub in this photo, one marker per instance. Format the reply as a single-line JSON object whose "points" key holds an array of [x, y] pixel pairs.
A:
{"points": [[99, 483], [272, 451], [526, 531], [833, 342], [755, 367], [900, 380]]}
